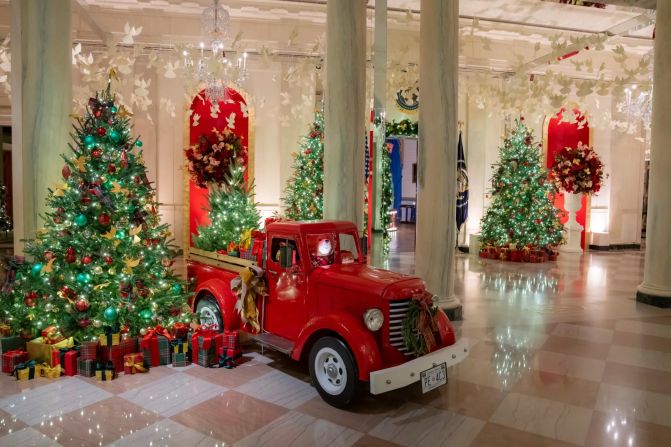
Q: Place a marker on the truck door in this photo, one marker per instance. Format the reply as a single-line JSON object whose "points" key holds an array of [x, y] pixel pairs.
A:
{"points": [[286, 308]]}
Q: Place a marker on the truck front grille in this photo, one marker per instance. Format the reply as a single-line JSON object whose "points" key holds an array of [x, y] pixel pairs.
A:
{"points": [[397, 312]]}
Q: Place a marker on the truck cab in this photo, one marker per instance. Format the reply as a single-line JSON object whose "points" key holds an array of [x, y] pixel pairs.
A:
{"points": [[327, 306]]}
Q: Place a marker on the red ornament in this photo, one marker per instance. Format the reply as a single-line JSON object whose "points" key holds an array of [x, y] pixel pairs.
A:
{"points": [[137, 180], [86, 259], [58, 220], [124, 329], [108, 260], [66, 172], [85, 200], [84, 322], [175, 312], [48, 255], [67, 292], [102, 131], [124, 159], [104, 219], [96, 153], [70, 255], [82, 305], [111, 168], [308, 151], [30, 299], [60, 210]]}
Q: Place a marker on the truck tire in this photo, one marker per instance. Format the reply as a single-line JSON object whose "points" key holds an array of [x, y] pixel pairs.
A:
{"points": [[334, 372], [209, 313]]}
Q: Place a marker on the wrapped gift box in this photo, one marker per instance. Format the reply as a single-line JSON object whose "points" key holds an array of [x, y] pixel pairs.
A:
{"points": [[51, 335], [134, 363], [89, 350], [109, 338], [179, 347], [204, 344], [229, 358], [12, 358], [41, 352], [86, 367], [113, 354], [106, 372], [180, 359], [179, 331], [156, 349], [231, 340], [50, 372], [11, 344], [67, 359], [27, 370], [129, 345]]}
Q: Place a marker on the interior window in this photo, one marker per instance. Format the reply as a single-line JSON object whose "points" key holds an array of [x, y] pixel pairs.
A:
{"points": [[348, 248], [279, 242]]}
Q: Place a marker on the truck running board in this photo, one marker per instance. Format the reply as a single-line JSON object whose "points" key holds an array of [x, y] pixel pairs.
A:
{"points": [[274, 342]]}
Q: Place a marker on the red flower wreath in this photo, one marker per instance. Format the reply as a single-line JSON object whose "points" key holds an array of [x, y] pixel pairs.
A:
{"points": [[577, 170], [208, 160]]}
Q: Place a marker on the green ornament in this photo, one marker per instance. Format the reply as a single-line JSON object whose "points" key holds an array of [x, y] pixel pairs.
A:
{"points": [[37, 269], [110, 314], [120, 234], [80, 220], [115, 136], [176, 288], [107, 185], [146, 314], [113, 109], [82, 278], [138, 143], [89, 140]]}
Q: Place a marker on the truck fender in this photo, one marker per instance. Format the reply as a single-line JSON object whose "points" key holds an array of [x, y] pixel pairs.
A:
{"points": [[353, 332], [220, 289]]}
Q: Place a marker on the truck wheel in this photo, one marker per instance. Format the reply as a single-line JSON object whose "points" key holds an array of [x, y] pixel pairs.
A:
{"points": [[209, 313], [333, 371]]}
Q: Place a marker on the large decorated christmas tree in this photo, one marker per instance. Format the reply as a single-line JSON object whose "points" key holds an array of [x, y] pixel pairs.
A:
{"points": [[232, 214], [304, 194], [522, 213], [103, 257]]}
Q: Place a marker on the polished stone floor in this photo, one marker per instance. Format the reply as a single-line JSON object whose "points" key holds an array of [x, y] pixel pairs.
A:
{"points": [[561, 355]]}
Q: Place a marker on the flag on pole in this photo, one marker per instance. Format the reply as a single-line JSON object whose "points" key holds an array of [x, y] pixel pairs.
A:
{"points": [[462, 185]]}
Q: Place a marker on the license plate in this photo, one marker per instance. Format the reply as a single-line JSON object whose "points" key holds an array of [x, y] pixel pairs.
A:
{"points": [[434, 377]]}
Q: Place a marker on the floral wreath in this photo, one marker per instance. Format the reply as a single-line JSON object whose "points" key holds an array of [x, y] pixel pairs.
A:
{"points": [[577, 170], [209, 159]]}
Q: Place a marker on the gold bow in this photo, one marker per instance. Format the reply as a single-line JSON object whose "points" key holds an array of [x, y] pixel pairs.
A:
{"points": [[247, 287]]}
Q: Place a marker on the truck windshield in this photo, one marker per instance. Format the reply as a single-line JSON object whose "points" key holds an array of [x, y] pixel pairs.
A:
{"points": [[349, 251]]}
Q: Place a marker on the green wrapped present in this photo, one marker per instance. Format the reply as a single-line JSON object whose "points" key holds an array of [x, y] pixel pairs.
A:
{"points": [[180, 359], [86, 368]]}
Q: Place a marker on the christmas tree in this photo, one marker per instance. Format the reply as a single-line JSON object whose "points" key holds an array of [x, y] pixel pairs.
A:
{"points": [[103, 257], [5, 220], [522, 211], [387, 196], [304, 194], [232, 212]]}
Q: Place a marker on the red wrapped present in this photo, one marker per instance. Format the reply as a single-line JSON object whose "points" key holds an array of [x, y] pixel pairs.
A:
{"points": [[129, 345], [483, 254], [112, 356], [67, 358], [231, 339], [553, 256], [543, 256], [229, 358], [134, 363], [515, 256], [89, 350], [533, 257], [155, 344], [179, 331], [204, 344], [12, 358]]}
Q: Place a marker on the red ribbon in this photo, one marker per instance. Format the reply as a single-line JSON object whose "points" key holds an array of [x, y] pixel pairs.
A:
{"points": [[426, 325], [150, 343]]}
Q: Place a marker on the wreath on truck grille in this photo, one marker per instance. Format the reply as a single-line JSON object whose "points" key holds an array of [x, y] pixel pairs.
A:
{"points": [[420, 325]]}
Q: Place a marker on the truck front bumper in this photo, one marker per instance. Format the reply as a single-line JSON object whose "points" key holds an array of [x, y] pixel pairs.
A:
{"points": [[406, 373]]}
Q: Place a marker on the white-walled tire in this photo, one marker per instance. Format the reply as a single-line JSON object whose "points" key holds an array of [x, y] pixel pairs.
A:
{"points": [[333, 371], [209, 313]]}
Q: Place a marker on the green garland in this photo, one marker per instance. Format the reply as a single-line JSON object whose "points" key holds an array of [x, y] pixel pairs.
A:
{"points": [[410, 329], [405, 128]]}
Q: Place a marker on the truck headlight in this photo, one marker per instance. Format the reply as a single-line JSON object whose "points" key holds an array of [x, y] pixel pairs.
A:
{"points": [[373, 318]]}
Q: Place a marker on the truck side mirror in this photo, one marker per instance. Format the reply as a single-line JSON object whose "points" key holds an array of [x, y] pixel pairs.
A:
{"points": [[286, 257]]}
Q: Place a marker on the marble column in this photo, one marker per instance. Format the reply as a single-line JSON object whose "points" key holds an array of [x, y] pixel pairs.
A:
{"points": [[437, 155], [656, 286], [344, 119], [377, 257], [41, 102]]}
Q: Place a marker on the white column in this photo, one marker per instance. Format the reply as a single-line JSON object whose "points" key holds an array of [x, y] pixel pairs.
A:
{"points": [[656, 286], [437, 156], [41, 103], [345, 110]]}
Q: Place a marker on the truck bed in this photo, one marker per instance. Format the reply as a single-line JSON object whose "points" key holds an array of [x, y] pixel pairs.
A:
{"points": [[214, 259]]}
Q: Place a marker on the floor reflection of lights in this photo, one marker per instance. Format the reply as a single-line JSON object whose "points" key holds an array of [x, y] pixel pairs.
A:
{"points": [[511, 357], [618, 430]]}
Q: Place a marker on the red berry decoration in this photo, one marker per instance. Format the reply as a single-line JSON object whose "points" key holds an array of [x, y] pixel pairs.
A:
{"points": [[96, 153], [104, 219], [30, 299], [102, 131], [108, 260], [137, 179], [70, 255], [86, 259], [60, 210], [66, 172], [111, 168], [308, 152], [82, 305], [84, 322], [58, 220]]}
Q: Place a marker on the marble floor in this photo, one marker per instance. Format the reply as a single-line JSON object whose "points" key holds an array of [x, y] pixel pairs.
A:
{"points": [[562, 355]]}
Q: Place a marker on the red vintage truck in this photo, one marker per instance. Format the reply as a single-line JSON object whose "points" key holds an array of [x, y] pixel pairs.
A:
{"points": [[344, 317]]}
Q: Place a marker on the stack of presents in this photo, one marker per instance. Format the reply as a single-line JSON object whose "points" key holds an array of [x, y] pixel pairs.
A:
{"points": [[113, 353], [510, 252]]}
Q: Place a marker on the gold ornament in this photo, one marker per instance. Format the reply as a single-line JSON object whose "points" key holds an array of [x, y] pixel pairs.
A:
{"points": [[111, 234], [130, 265], [80, 163], [118, 189], [49, 267]]}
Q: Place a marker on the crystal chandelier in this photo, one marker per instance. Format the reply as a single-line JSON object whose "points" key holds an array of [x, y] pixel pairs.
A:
{"points": [[212, 67]]}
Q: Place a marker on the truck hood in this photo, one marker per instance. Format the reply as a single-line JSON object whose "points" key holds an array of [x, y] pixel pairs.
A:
{"points": [[365, 279]]}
